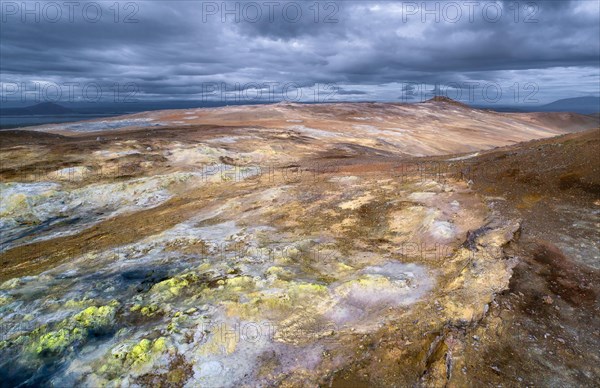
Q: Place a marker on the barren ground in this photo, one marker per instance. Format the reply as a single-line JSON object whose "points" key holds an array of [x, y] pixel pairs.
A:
{"points": [[302, 245]]}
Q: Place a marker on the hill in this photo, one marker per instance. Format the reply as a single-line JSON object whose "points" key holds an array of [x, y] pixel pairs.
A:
{"points": [[584, 105]]}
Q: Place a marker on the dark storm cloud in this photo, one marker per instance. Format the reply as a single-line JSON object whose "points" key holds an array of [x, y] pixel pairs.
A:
{"points": [[371, 50]]}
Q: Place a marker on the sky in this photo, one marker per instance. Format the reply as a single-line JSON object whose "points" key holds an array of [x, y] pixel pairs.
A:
{"points": [[479, 52]]}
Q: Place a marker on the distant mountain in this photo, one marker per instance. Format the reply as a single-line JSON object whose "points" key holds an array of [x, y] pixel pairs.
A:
{"points": [[44, 108], [583, 105]]}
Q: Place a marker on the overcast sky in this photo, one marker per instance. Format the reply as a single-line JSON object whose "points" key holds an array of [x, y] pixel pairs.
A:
{"points": [[477, 52]]}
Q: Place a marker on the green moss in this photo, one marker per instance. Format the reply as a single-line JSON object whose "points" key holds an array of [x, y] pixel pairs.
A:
{"points": [[71, 330], [95, 317], [140, 353], [159, 345], [78, 303], [58, 341], [173, 287], [123, 357], [147, 311]]}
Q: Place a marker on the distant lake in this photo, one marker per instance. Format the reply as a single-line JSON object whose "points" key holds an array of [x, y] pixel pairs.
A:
{"points": [[7, 122]]}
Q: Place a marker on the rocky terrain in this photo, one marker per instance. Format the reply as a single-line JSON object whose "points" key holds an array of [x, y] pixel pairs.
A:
{"points": [[347, 244]]}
